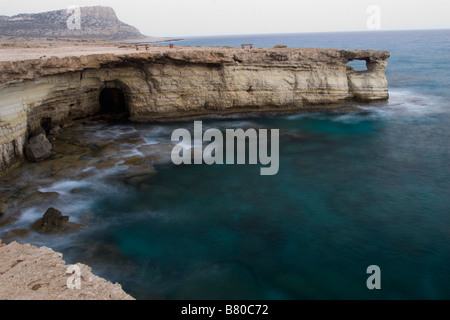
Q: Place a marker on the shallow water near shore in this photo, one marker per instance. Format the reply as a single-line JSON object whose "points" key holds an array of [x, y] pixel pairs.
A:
{"points": [[368, 187]]}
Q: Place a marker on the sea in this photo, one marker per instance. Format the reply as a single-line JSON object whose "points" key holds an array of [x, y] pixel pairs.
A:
{"points": [[359, 188]]}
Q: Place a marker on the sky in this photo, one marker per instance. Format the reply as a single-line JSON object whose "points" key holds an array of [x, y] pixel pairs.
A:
{"points": [[226, 17]]}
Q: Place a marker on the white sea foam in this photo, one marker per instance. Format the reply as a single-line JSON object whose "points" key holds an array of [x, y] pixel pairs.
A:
{"points": [[406, 106], [403, 105], [65, 186], [231, 125], [153, 140], [299, 116], [109, 132], [134, 152], [88, 169], [30, 215], [349, 118]]}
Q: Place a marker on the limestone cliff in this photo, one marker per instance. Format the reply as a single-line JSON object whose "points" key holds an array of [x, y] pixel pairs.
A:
{"points": [[165, 83], [31, 273]]}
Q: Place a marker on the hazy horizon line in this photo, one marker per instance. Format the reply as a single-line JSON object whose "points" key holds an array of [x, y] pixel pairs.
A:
{"points": [[295, 32]]}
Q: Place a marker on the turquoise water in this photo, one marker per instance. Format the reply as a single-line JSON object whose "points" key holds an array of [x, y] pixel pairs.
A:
{"points": [[353, 190]]}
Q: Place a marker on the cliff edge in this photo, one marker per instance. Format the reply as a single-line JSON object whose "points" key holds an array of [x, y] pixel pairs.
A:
{"points": [[31, 273]]}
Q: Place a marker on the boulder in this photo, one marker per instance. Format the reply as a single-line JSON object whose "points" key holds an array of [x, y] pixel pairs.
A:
{"points": [[140, 170], [53, 219], [139, 173], [54, 222], [280, 46], [38, 148]]}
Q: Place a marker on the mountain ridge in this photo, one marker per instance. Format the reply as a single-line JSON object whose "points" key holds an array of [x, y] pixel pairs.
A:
{"points": [[99, 22]]}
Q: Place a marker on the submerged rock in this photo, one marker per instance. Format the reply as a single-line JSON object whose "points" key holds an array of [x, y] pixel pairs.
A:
{"points": [[38, 148], [157, 153], [36, 198], [14, 235], [140, 170], [53, 219], [54, 222], [138, 174], [4, 221]]}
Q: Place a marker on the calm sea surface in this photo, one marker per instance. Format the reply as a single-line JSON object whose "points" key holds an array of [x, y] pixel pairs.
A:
{"points": [[353, 189]]}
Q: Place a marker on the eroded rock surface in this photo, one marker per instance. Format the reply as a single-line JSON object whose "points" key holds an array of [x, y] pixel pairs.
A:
{"points": [[31, 273]]}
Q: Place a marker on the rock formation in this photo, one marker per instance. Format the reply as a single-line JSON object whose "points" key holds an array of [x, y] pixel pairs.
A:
{"points": [[54, 222], [31, 273], [38, 148], [165, 83], [95, 22]]}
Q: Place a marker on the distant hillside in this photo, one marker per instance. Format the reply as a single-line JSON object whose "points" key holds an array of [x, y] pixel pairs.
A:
{"points": [[95, 22]]}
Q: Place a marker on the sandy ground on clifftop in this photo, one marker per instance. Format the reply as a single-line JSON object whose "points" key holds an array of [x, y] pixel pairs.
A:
{"points": [[12, 48]]}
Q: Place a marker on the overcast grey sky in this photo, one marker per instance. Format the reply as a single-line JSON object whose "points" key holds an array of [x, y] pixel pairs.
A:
{"points": [[214, 17]]}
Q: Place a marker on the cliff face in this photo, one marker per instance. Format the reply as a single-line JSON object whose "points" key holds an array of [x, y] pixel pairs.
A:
{"points": [[95, 22], [172, 83]]}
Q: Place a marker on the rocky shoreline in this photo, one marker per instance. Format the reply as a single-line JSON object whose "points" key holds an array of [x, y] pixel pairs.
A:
{"points": [[43, 94], [70, 155]]}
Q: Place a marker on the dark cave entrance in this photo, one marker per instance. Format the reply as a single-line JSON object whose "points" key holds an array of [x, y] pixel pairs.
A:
{"points": [[113, 102], [46, 125]]}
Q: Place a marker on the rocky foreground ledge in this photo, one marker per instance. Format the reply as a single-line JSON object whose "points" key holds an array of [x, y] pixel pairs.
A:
{"points": [[31, 273]]}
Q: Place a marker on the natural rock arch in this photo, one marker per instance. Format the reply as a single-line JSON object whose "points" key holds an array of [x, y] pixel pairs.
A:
{"points": [[358, 65]]}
